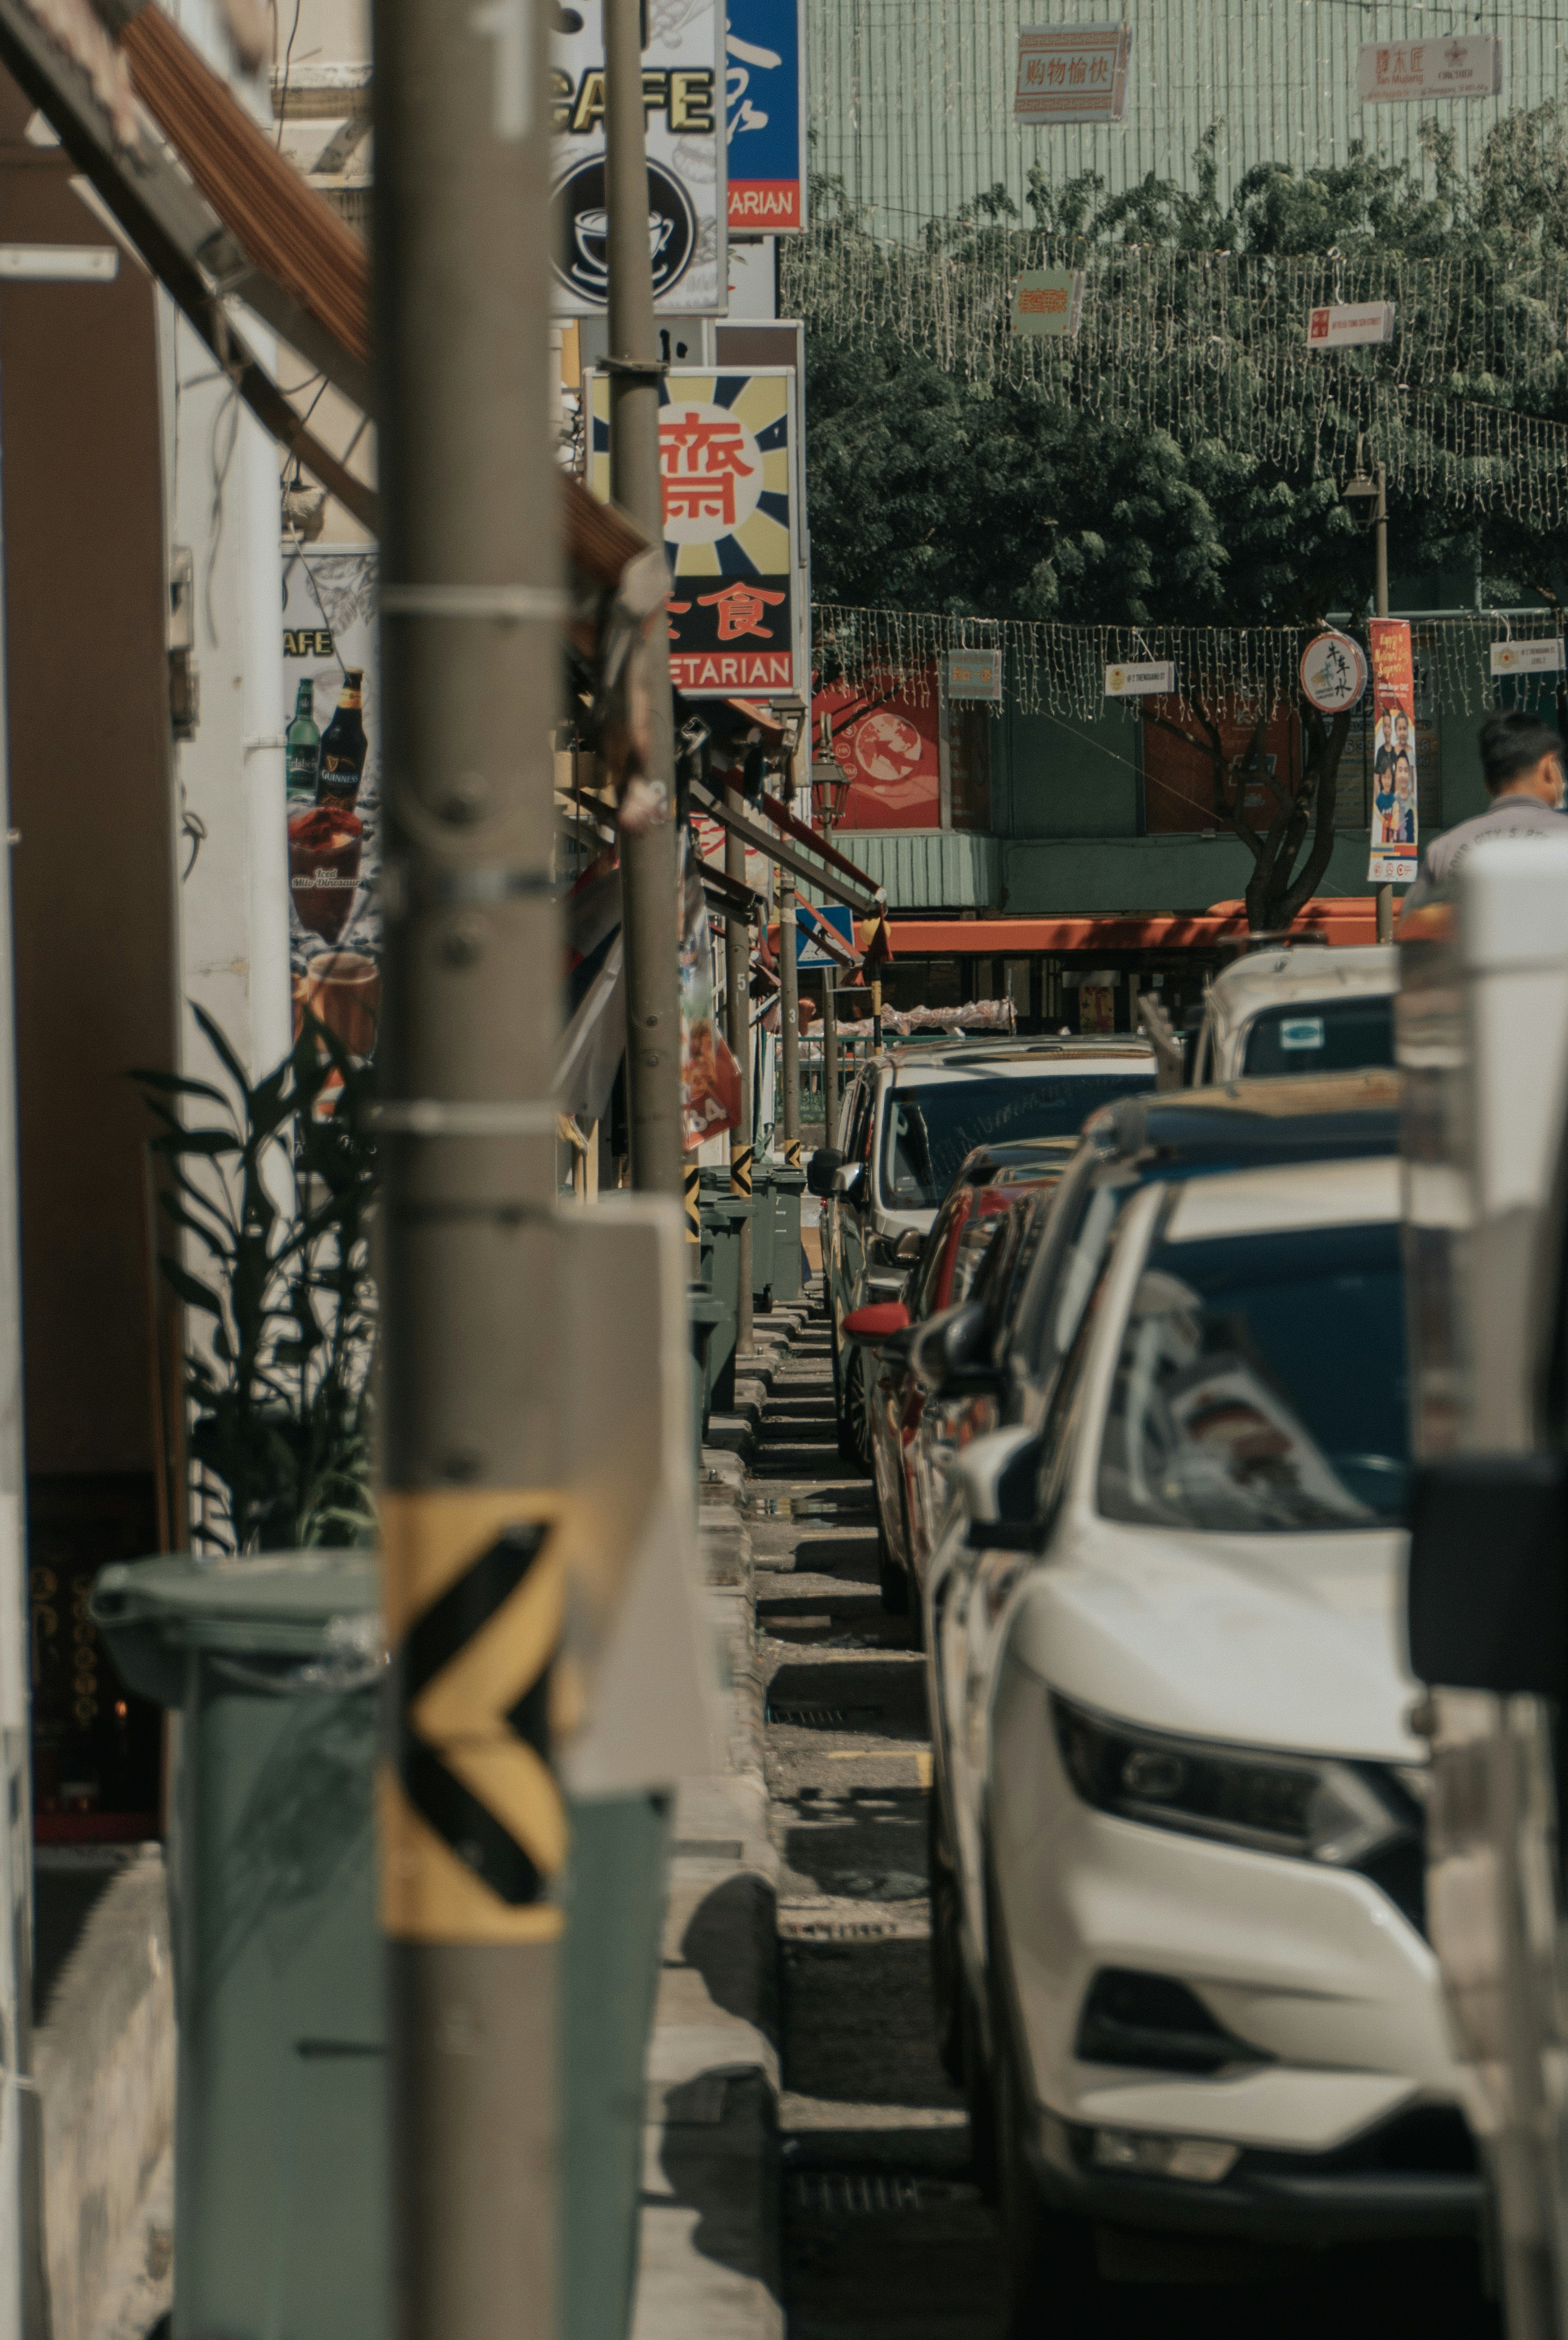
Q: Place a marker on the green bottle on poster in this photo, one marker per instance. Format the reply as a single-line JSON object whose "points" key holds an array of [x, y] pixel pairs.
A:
{"points": [[343, 745], [302, 746]]}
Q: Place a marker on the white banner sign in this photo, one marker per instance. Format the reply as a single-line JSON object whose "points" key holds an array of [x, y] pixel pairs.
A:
{"points": [[684, 99], [974, 674], [1048, 303], [1072, 73], [1527, 657], [1342, 327], [1150, 680], [1462, 65]]}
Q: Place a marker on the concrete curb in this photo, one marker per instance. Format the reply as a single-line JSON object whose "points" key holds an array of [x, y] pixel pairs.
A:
{"points": [[104, 2059], [709, 2250]]}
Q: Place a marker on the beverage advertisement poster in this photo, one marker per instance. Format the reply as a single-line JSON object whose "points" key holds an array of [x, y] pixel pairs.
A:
{"points": [[684, 102], [1395, 840], [726, 456], [333, 742], [765, 116]]}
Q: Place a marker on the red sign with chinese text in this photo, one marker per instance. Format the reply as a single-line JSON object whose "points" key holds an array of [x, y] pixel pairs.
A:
{"points": [[885, 741]]}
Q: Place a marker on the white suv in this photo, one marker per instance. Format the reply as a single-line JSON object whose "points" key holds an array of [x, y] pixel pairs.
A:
{"points": [[1180, 1829]]}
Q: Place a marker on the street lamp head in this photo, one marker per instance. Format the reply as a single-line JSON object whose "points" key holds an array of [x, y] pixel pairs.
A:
{"points": [[829, 794], [1359, 494]]}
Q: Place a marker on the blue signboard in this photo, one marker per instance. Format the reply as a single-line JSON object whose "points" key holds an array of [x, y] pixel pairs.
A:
{"points": [[809, 951], [765, 116]]}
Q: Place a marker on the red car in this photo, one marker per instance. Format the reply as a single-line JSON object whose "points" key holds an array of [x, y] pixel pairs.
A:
{"points": [[983, 1220]]}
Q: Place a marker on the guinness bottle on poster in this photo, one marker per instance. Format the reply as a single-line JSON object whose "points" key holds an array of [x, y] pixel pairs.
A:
{"points": [[343, 745], [303, 747]]}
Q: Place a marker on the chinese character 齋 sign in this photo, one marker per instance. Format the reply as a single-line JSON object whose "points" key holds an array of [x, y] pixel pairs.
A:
{"points": [[683, 106], [1048, 303], [765, 116], [727, 467], [1072, 73]]}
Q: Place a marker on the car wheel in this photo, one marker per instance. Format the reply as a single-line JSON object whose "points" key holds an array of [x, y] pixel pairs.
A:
{"points": [[855, 1414], [946, 1959], [1048, 2257]]}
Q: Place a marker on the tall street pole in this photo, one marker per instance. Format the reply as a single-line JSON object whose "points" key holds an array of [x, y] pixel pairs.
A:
{"points": [[1380, 581], [789, 1020], [829, 1060], [473, 1834], [738, 1032], [648, 906]]}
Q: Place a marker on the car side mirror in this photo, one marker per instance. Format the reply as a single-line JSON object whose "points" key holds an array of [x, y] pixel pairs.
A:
{"points": [[948, 1354], [909, 1245], [846, 1180], [997, 1477], [820, 1169], [875, 1324], [1486, 1605]]}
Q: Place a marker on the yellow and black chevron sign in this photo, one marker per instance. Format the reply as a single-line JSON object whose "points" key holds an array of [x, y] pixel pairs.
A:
{"points": [[741, 1160], [473, 1827], [694, 1194], [792, 1153]]}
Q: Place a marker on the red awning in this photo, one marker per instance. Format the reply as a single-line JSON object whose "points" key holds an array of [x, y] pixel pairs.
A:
{"points": [[1346, 918]]}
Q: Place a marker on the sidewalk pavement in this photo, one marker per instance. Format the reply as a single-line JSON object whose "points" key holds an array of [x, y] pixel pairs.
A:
{"points": [[710, 2238]]}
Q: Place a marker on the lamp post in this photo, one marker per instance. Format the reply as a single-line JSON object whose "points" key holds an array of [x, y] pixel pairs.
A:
{"points": [[1367, 493], [829, 796]]}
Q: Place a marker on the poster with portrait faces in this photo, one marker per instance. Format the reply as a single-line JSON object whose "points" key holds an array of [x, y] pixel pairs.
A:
{"points": [[332, 762], [1396, 837]]}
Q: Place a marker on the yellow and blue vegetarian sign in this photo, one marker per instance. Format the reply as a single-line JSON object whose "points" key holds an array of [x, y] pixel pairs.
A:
{"points": [[727, 464]]}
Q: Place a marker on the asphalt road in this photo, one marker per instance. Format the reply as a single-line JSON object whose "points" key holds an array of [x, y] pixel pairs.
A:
{"points": [[885, 2235]]}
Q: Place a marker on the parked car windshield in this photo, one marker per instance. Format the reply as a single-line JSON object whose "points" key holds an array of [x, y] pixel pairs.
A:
{"points": [[928, 1131], [1325, 1036], [1261, 1385]]}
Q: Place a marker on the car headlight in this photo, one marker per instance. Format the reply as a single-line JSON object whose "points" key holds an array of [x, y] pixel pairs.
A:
{"points": [[1305, 1807]]}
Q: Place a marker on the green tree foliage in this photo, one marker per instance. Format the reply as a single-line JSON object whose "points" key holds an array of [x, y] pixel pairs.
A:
{"points": [[932, 492]]}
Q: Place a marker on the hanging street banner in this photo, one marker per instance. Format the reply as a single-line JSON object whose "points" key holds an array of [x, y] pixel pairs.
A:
{"points": [[1528, 658], [1462, 65], [737, 613], [974, 674], [1151, 680], [1342, 327], [682, 97], [1332, 672], [1396, 838], [1048, 303], [1072, 73], [764, 118]]}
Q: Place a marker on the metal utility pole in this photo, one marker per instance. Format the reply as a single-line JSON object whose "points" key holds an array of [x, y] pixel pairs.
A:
{"points": [[829, 1060], [648, 862], [789, 1020], [738, 1031], [1380, 582], [473, 1831]]}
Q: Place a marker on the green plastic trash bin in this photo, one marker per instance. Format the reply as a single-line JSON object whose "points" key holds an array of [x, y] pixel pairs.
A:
{"points": [[275, 1667], [788, 1187], [763, 1231], [729, 1215]]}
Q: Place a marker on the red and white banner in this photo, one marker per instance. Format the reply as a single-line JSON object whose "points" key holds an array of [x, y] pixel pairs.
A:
{"points": [[1396, 838]]}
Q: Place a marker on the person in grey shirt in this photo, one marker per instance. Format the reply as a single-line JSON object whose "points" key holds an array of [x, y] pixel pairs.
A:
{"points": [[1522, 761]]}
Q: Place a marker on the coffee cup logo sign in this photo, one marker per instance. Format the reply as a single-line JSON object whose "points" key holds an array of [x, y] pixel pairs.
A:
{"points": [[582, 231], [684, 108]]}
